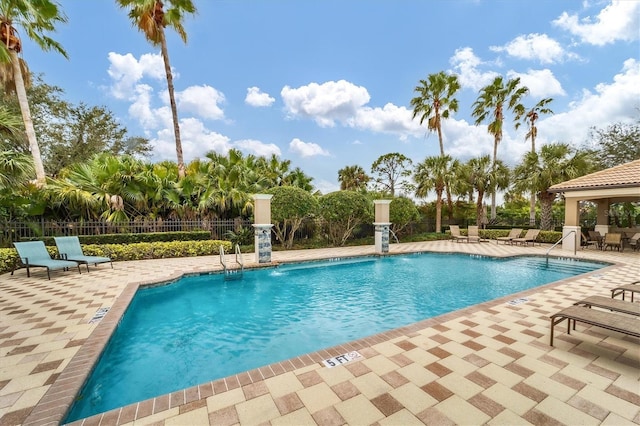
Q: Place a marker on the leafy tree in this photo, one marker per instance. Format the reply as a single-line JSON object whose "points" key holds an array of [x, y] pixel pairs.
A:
{"points": [[402, 211], [434, 102], [15, 169], [484, 177], [390, 168], [37, 18], [435, 174], [151, 19], [290, 206], [554, 164], [342, 212], [83, 132], [619, 143], [10, 124], [530, 119], [493, 101], [353, 178]]}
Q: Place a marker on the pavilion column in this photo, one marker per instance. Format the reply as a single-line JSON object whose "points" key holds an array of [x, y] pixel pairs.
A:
{"points": [[262, 227], [602, 219], [571, 224], [382, 225]]}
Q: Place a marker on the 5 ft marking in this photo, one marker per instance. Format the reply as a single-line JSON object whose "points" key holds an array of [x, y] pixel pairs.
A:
{"points": [[341, 359]]}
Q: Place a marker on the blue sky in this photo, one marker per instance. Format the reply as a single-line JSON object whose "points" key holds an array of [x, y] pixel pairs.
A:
{"points": [[328, 84]]}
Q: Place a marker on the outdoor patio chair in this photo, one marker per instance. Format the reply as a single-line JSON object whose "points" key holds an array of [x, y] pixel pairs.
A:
{"points": [[608, 320], [631, 288], [70, 249], [613, 240], [514, 233], [529, 237], [473, 233], [634, 241], [35, 254], [455, 234], [596, 238]]}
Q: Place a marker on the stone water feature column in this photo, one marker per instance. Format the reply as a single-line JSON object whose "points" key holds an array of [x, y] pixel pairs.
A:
{"points": [[382, 225], [262, 227]]}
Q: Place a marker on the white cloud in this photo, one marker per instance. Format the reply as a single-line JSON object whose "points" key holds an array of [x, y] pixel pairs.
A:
{"points": [[258, 148], [306, 149], [326, 187], [537, 47], [620, 20], [257, 98], [541, 83], [465, 63], [607, 104], [389, 119], [325, 103], [202, 101], [126, 71], [196, 139]]}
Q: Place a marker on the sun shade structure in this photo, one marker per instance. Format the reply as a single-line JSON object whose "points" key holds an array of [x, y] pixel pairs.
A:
{"points": [[70, 249], [35, 254], [618, 184]]}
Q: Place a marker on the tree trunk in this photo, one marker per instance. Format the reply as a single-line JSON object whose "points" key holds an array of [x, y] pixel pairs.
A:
{"points": [[26, 118], [532, 210], [546, 210], [172, 101], [479, 209], [493, 170], [438, 211]]}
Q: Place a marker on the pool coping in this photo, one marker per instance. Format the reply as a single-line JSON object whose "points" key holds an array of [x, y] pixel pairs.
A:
{"points": [[57, 401]]}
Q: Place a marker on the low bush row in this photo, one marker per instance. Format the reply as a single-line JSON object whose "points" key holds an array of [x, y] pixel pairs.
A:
{"points": [[136, 251], [150, 237]]}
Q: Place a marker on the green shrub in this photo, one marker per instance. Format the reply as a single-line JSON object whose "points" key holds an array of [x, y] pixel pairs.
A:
{"points": [[135, 251], [149, 237]]}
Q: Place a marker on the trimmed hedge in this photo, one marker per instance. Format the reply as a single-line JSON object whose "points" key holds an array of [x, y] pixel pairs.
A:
{"points": [[135, 251], [150, 237], [543, 237]]}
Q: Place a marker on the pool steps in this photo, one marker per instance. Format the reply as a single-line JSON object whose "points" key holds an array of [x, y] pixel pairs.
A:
{"points": [[232, 273]]}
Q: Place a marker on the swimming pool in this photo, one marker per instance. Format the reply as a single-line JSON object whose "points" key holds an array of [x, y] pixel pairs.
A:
{"points": [[203, 327]]}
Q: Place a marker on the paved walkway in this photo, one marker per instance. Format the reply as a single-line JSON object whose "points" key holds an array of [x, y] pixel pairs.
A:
{"points": [[488, 364]]}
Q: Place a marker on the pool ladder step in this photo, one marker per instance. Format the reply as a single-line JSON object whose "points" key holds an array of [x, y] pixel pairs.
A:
{"points": [[232, 273]]}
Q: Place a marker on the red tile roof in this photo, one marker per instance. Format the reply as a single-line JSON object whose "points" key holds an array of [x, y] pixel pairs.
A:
{"points": [[622, 176]]}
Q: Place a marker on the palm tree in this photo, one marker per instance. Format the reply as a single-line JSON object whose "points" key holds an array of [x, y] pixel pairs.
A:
{"points": [[490, 105], [151, 19], [530, 119], [434, 173], [434, 102], [37, 18], [486, 176], [556, 163], [353, 178]]}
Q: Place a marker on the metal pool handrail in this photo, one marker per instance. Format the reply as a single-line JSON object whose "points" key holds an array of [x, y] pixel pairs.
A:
{"points": [[559, 241]]}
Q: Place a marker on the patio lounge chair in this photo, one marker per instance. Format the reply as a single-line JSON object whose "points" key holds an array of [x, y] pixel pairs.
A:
{"points": [[455, 234], [474, 234], [35, 254], [631, 288], [70, 249], [608, 320], [634, 241], [514, 233], [617, 305], [596, 238], [529, 237], [612, 239]]}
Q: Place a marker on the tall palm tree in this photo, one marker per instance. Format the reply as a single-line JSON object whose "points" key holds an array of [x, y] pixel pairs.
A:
{"points": [[493, 101], [556, 163], [434, 102], [150, 17], [434, 174], [486, 176], [37, 18], [353, 178], [530, 119]]}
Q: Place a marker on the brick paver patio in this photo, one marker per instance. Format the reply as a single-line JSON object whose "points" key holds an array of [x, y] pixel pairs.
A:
{"points": [[487, 364]]}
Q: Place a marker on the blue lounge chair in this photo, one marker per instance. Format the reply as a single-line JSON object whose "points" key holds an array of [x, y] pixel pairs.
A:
{"points": [[70, 249], [35, 254]]}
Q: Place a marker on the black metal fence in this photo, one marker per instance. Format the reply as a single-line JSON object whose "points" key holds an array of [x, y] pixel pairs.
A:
{"points": [[16, 231]]}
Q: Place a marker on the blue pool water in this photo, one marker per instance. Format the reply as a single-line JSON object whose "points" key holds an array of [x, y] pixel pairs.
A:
{"points": [[202, 328]]}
